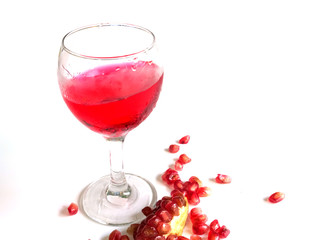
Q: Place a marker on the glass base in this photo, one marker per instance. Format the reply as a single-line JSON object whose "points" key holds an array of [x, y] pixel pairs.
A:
{"points": [[118, 210]]}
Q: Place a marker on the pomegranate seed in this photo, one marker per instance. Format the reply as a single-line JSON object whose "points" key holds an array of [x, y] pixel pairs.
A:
{"points": [[153, 221], [164, 215], [178, 185], [146, 210], [223, 232], [160, 237], [195, 212], [180, 201], [213, 236], [182, 238], [184, 159], [172, 237], [190, 186], [276, 197], [115, 235], [172, 208], [193, 198], [124, 237], [201, 218], [200, 228], [214, 226], [174, 148], [178, 166], [204, 191], [163, 228], [176, 192], [184, 140], [73, 209], [170, 176], [195, 179], [195, 237], [221, 178]]}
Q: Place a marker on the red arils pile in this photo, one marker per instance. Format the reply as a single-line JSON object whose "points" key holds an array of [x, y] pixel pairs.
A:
{"points": [[73, 209], [192, 189]]}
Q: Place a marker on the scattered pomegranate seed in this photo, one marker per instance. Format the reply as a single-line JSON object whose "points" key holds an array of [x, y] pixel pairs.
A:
{"points": [[178, 166], [193, 198], [184, 140], [213, 236], [200, 218], [214, 226], [221, 178], [200, 228], [182, 238], [174, 148], [184, 159], [195, 179], [195, 212], [276, 197], [223, 232], [170, 176], [204, 191], [124, 237], [115, 235], [195, 237], [73, 209]]}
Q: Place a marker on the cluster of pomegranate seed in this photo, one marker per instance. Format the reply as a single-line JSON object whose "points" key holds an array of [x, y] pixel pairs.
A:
{"points": [[157, 221], [192, 188], [200, 226], [73, 209]]}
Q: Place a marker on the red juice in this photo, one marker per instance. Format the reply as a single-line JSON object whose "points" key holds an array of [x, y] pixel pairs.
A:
{"points": [[113, 99]]}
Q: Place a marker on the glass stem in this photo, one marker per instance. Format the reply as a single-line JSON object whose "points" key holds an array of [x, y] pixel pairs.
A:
{"points": [[118, 189]]}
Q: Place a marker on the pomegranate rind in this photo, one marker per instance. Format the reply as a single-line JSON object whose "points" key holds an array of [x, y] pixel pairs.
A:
{"points": [[178, 222]]}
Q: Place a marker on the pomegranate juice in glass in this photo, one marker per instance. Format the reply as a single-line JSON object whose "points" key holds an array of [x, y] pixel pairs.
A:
{"points": [[110, 77]]}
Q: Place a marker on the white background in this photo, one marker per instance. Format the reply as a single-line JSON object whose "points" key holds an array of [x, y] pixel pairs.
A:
{"points": [[241, 78]]}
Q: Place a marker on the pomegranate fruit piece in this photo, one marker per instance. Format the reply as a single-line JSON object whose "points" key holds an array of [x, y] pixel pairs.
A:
{"points": [[174, 148], [184, 140], [223, 179], [200, 228], [132, 228], [276, 197], [73, 209]]}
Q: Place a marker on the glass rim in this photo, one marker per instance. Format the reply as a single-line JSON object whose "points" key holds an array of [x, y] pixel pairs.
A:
{"points": [[77, 54]]}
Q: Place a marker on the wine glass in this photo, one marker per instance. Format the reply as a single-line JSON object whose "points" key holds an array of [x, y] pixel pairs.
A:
{"points": [[110, 77]]}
